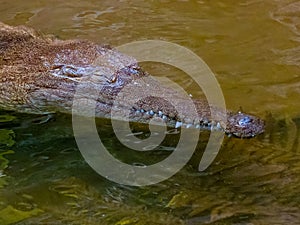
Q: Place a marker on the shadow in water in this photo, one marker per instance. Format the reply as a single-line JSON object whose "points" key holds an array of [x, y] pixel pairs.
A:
{"points": [[48, 182]]}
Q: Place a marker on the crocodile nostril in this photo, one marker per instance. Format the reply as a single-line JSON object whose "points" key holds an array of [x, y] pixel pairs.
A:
{"points": [[244, 121]]}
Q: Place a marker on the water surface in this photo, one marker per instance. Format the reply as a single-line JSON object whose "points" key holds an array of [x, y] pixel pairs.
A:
{"points": [[253, 48]]}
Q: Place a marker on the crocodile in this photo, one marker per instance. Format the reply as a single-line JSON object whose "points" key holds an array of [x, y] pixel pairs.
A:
{"points": [[40, 74]]}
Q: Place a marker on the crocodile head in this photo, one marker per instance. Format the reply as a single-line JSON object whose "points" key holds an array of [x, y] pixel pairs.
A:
{"points": [[42, 75]]}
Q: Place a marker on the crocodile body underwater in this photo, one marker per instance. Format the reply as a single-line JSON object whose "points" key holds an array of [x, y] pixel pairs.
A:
{"points": [[39, 74]]}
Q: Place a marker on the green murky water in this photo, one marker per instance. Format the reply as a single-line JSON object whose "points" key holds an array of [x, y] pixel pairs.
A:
{"points": [[253, 48]]}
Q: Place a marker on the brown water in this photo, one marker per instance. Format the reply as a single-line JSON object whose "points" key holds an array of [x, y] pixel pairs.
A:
{"points": [[253, 48]]}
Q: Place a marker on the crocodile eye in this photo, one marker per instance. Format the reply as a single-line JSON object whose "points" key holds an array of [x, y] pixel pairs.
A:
{"points": [[68, 71], [113, 79]]}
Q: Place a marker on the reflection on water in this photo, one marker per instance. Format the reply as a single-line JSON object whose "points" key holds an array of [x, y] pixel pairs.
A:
{"points": [[252, 46]]}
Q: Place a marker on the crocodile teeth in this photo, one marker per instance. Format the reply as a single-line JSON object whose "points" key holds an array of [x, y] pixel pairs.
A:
{"points": [[189, 125], [178, 124]]}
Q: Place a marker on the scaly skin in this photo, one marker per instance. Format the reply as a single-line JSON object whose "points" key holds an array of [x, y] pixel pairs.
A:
{"points": [[39, 74]]}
